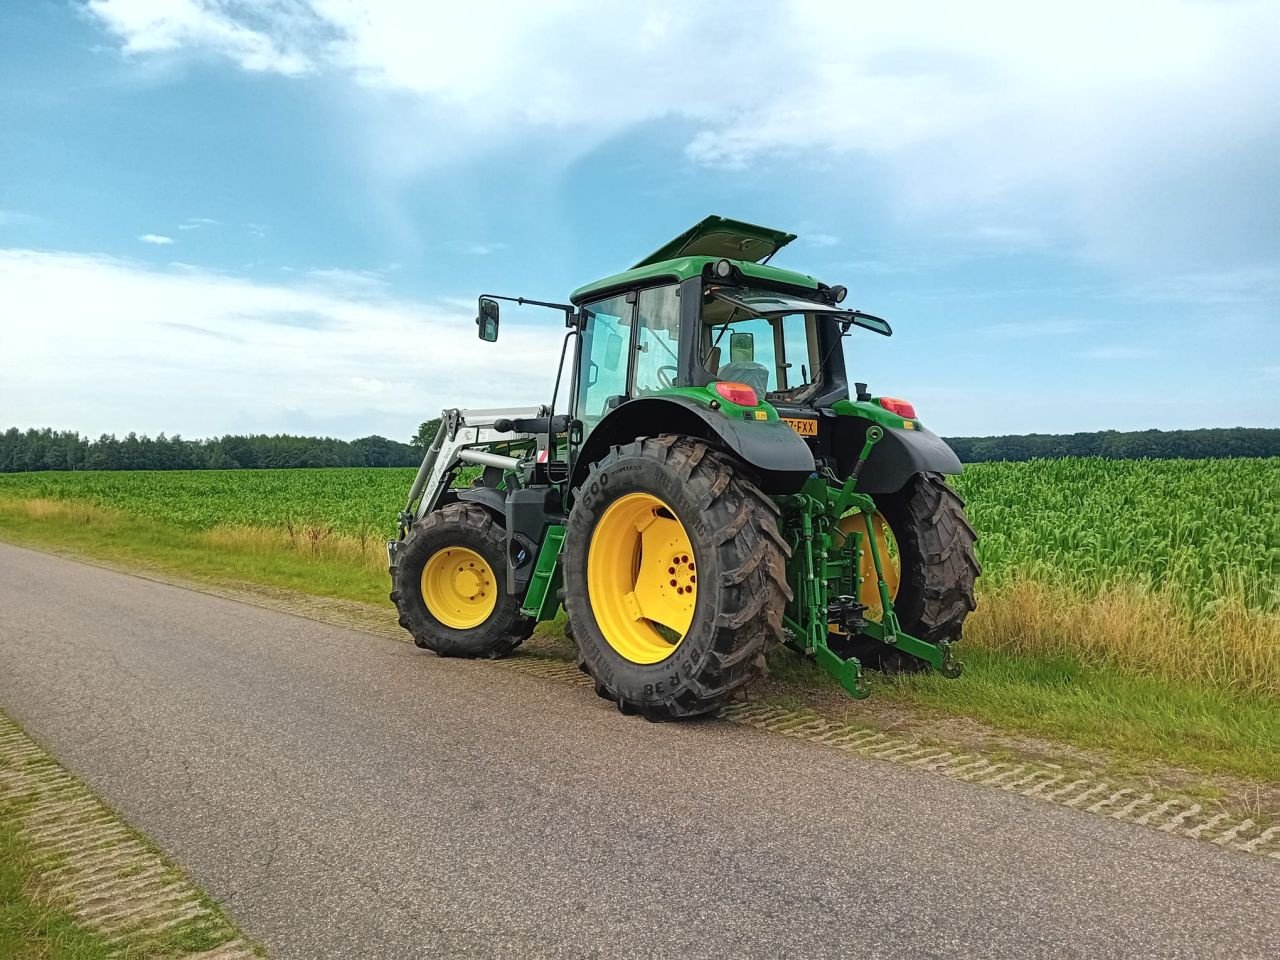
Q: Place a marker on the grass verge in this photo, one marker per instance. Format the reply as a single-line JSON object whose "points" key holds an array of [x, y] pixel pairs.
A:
{"points": [[1039, 661], [30, 929], [77, 882]]}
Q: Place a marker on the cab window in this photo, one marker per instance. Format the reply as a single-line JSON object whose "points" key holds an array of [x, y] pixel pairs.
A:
{"points": [[657, 339], [778, 355], [606, 341]]}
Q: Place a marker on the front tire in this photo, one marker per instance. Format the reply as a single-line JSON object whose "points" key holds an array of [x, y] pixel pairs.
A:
{"points": [[448, 584], [675, 578]]}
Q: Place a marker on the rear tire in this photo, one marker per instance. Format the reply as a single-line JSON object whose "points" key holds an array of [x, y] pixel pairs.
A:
{"points": [[740, 560], [939, 569], [471, 530]]}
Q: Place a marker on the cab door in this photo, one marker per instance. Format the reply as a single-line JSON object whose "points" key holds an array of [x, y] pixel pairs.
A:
{"points": [[605, 360]]}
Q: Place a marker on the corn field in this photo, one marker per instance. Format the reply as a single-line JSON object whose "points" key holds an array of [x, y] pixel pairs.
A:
{"points": [[1193, 530], [1158, 568], [1196, 530]]}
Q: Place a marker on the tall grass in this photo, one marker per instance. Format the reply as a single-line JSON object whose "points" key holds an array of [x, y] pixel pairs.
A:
{"points": [[364, 551], [1133, 629]]}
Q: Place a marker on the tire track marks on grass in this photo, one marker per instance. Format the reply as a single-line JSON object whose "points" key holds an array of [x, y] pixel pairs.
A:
{"points": [[85, 860]]}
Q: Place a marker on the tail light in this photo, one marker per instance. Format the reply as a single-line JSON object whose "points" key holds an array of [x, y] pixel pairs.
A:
{"points": [[901, 407], [739, 393]]}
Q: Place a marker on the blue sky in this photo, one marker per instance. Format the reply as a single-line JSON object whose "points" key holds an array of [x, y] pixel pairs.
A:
{"points": [[221, 216]]}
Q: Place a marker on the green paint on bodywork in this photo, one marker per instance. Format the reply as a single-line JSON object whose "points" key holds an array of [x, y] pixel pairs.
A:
{"points": [[707, 397], [682, 268], [870, 410], [722, 237], [540, 600]]}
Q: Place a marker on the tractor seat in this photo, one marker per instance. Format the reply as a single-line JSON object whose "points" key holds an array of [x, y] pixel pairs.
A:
{"points": [[754, 375]]}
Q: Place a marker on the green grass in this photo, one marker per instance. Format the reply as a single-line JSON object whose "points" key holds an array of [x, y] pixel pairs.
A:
{"points": [[1205, 725], [35, 923], [1141, 719], [130, 540], [30, 929]]}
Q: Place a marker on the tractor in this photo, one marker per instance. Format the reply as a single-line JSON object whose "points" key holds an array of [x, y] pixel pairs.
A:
{"points": [[712, 488]]}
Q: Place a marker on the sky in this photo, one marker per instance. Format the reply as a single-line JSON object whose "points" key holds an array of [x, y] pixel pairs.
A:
{"points": [[223, 216]]}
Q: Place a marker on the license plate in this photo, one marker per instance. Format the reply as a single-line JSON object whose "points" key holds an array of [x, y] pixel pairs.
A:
{"points": [[806, 428]]}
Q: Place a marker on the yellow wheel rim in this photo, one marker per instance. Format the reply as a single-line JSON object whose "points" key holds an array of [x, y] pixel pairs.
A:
{"points": [[459, 587], [869, 592], [642, 578]]}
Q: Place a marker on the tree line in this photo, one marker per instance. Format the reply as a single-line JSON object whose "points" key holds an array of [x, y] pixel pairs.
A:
{"points": [[1123, 445], [67, 450], [47, 449]]}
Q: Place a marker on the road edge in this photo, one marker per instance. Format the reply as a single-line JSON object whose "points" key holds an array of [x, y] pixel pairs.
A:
{"points": [[83, 859]]}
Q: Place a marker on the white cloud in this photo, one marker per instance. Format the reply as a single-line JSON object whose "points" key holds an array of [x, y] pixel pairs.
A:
{"points": [[476, 248], [1108, 118], [158, 239], [821, 239], [1035, 328], [1240, 286], [199, 353], [1117, 352], [198, 223], [365, 282], [162, 26], [13, 218]]}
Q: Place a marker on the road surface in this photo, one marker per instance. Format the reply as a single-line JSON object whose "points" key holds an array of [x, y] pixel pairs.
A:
{"points": [[346, 795]]}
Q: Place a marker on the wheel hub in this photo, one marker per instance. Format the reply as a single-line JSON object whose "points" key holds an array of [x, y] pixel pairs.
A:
{"points": [[459, 587], [466, 583], [642, 578]]}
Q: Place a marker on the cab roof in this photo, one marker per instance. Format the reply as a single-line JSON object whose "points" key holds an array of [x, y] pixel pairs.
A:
{"points": [[721, 237], [714, 238]]}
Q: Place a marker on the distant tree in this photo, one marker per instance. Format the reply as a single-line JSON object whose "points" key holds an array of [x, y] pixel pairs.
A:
{"points": [[46, 449], [426, 433], [1114, 445]]}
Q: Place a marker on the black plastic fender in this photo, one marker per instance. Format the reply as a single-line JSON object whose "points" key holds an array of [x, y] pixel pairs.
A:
{"points": [[772, 449], [896, 458], [493, 500]]}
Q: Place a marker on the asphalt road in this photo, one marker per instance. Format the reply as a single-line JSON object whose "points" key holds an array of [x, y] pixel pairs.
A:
{"points": [[346, 795]]}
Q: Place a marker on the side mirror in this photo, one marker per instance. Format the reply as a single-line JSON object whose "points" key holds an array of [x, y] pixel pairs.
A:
{"points": [[487, 321], [742, 347], [856, 318]]}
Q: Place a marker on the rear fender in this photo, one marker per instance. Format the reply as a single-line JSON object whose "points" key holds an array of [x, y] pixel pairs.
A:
{"points": [[780, 460], [899, 455]]}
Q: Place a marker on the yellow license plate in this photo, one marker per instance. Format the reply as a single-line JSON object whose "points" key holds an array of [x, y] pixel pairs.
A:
{"points": [[806, 428]]}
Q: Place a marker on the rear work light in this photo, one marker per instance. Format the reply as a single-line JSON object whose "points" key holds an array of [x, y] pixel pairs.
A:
{"points": [[903, 409], [739, 393]]}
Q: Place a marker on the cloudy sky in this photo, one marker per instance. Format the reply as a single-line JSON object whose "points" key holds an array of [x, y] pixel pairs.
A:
{"points": [[222, 215]]}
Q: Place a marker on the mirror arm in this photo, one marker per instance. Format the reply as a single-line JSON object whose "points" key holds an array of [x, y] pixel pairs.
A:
{"points": [[569, 311]]}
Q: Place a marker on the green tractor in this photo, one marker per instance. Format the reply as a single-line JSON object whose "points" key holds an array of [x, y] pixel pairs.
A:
{"points": [[713, 489]]}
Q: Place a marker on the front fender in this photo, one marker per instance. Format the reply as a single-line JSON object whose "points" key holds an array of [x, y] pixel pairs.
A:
{"points": [[772, 449], [495, 501]]}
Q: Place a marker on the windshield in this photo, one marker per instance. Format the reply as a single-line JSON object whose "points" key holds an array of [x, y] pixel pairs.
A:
{"points": [[777, 354]]}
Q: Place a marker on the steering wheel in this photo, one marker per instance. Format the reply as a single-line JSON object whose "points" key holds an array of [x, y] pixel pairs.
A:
{"points": [[666, 376]]}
